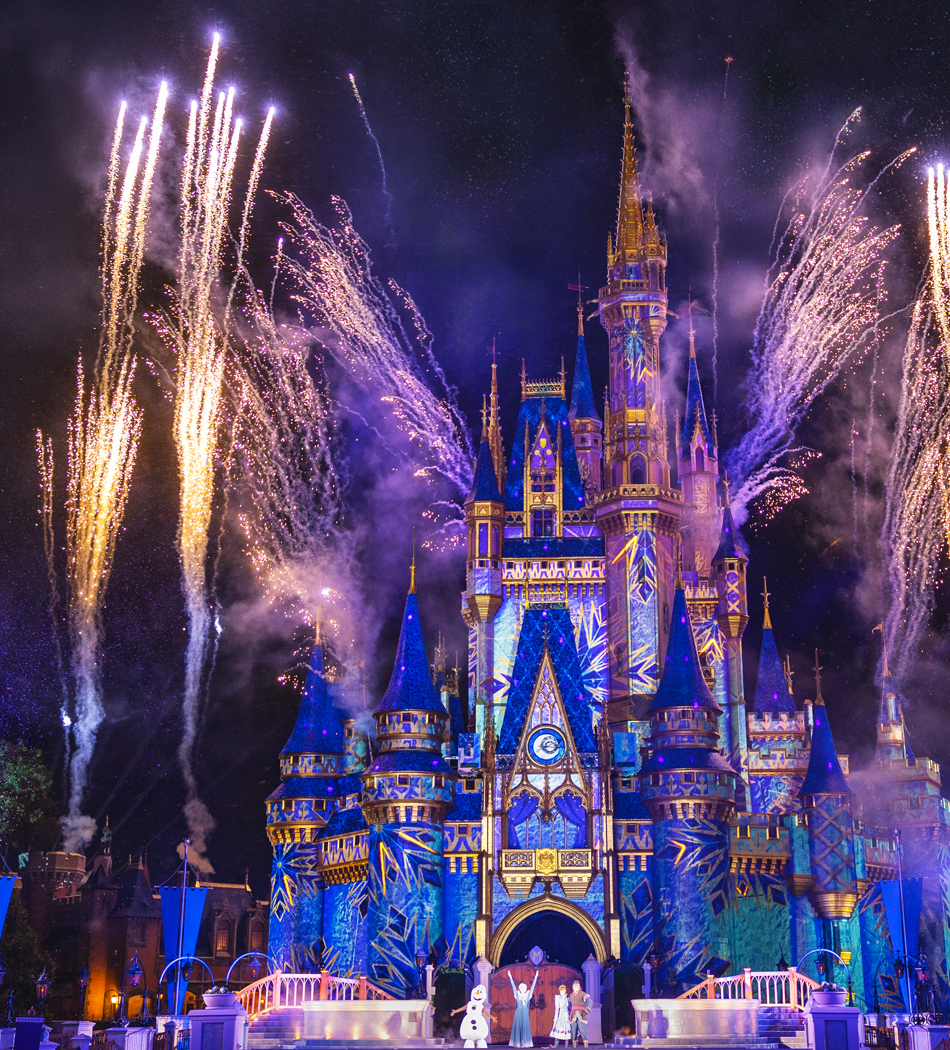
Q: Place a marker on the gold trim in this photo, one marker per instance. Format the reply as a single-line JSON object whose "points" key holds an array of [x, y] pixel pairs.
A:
{"points": [[547, 903]]}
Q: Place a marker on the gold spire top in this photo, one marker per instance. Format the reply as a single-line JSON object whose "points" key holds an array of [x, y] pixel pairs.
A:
{"points": [[524, 380], [880, 627], [495, 441], [484, 418], [630, 210], [318, 637], [679, 565], [787, 668], [412, 569], [819, 699], [692, 330], [766, 620], [580, 288]]}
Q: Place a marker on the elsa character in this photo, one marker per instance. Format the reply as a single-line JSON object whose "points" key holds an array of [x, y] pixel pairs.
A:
{"points": [[521, 1025]]}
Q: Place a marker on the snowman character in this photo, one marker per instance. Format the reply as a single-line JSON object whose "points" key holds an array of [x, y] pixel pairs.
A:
{"points": [[474, 1028]]}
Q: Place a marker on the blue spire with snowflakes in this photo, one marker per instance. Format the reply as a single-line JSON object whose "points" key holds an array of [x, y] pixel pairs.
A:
{"points": [[319, 727], [682, 684]]}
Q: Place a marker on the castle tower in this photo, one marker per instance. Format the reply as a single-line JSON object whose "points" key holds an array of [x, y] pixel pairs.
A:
{"points": [[407, 790], [638, 512], [688, 789], [893, 744], [485, 522], [732, 611], [826, 799], [586, 425], [773, 691], [310, 763], [698, 469]]}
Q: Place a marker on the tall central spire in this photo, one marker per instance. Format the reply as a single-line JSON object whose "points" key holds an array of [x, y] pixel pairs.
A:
{"points": [[630, 211]]}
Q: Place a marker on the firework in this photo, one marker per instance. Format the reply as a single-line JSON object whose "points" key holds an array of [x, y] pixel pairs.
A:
{"points": [[104, 432], [338, 293], [379, 152], [916, 525], [199, 334], [822, 307]]}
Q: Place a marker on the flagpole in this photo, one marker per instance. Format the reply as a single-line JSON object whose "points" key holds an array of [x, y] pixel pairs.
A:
{"points": [[900, 883], [182, 922]]}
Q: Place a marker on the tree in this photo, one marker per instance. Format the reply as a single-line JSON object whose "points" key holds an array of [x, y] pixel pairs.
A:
{"points": [[25, 786], [20, 949]]}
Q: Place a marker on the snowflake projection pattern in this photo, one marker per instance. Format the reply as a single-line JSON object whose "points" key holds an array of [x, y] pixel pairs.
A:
{"points": [[590, 632], [696, 869], [405, 889], [507, 632], [356, 907], [292, 864], [636, 912]]}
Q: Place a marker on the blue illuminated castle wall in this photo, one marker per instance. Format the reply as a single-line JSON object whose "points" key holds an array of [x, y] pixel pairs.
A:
{"points": [[613, 771]]}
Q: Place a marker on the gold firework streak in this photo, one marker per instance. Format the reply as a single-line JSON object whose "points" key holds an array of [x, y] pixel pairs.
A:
{"points": [[104, 432], [200, 336]]}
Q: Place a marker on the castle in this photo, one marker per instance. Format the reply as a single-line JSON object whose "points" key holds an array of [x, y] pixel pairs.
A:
{"points": [[613, 797]]}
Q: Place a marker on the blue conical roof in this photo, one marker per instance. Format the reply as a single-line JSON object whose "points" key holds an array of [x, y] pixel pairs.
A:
{"points": [[410, 687], [727, 538], [582, 395], [319, 727], [771, 687], [485, 485], [824, 776], [695, 409], [682, 684]]}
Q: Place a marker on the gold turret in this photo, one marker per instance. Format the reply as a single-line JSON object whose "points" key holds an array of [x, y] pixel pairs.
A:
{"points": [[495, 441]]}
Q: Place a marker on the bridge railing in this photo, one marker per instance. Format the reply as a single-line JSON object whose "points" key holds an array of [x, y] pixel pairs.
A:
{"points": [[294, 989], [772, 987]]}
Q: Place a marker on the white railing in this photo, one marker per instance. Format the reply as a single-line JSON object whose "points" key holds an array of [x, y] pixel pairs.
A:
{"points": [[294, 989], [772, 987]]}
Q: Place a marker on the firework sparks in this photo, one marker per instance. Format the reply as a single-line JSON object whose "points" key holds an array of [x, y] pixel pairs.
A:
{"points": [[379, 152], [104, 432], [200, 338], [822, 307], [916, 525], [338, 292]]}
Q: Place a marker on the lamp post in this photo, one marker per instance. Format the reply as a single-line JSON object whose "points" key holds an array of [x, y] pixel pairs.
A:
{"points": [[83, 982], [42, 989], [133, 979], [254, 966], [420, 990], [187, 963]]}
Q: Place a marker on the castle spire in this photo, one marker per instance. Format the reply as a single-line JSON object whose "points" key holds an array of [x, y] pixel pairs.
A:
{"points": [[772, 692], [495, 440], [682, 684], [412, 568], [410, 686], [319, 726], [695, 416], [824, 776], [630, 210], [892, 741]]}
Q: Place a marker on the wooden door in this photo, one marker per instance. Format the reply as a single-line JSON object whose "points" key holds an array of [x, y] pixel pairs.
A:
{"points": [[541, 1008]]}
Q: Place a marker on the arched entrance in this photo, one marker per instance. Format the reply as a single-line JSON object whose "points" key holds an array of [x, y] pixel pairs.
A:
{"points": [[563, 934]]}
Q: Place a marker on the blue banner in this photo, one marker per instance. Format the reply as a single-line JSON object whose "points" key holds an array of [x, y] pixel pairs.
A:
{"points": [[171, 913], [6, 891], [891, 895]]}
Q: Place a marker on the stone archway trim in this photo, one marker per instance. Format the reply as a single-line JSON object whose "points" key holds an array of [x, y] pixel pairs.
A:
{"points": [[546, 902]]}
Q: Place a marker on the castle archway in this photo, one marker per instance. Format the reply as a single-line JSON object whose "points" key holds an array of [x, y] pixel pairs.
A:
{"points": [[553, 924]]}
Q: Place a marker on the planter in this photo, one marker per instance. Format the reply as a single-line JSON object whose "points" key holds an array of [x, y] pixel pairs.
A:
{"points": [[219, 1000], [829, 997]]}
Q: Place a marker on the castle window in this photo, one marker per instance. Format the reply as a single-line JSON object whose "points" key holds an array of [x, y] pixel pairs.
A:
{"points": [[689, 778], [655, 780], [402, 781], [287, 805], [616, 471], [222, 938], [542, 523], [470, 785], [743, 831], [542, 481], [638, 471], [482, 538], [700, 460], [625, 783], [348, 732], [257, 937], [439, 782], [772, 833], [915, 802]]}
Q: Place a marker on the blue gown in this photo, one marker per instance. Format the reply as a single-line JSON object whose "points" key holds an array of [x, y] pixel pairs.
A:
{"points": [[521, 1025]]}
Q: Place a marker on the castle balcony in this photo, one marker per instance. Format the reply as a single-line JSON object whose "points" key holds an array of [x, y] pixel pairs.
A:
{"points": [[572, 868]]}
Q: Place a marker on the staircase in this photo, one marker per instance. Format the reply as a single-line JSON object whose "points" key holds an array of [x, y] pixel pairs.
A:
{"points": [[275, 1029], [783, 1024]]}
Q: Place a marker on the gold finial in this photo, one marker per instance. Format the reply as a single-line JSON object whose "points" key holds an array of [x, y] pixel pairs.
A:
{"points": [[692, 331], [767, 620], [787, 668], [725, 485], [880, 627], [412, 570], [679, 564], [318, 640], [630, 211], [819, 699], [484, 417], [715, 434], [524, 380], [563, 379], [579, 288]]}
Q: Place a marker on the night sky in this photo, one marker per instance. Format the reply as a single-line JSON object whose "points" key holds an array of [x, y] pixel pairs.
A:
{"points": [[499, 124]]}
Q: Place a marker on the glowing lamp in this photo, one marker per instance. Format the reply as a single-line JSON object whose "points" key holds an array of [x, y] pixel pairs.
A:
{"points": [[254, 967], [134, 972], [83, 978], [42, 986], [420, 958], [898, 969]]}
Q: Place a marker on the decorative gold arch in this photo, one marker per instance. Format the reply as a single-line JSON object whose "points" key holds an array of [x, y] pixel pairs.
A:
{"points": [[547, 902]]}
